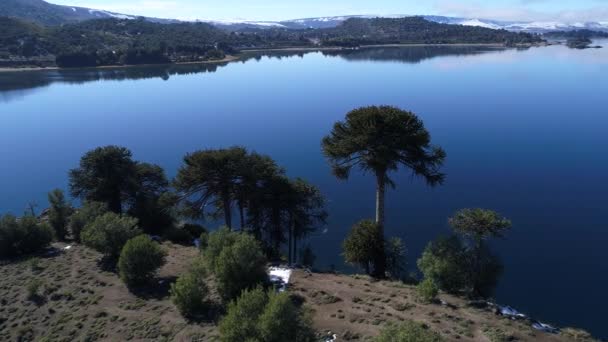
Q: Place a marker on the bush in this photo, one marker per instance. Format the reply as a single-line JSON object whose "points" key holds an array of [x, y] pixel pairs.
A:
{"points": [[241, 320], [139, 260], [408, 332], [195, 230], [59, 213], [445, 262], [256, 316], [188, 293], [85, 215], [363, 245], [240, 266], [109, 233], [23, 236], [217, 241], [395, 258], [33, 287], [203, 241], [427, 291]]}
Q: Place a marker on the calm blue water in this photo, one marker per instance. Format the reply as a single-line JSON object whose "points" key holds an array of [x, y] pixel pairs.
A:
{"points": [[525, 133]]}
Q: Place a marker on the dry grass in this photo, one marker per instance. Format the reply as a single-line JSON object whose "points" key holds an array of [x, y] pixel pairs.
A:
{"points": [[76, 300]]}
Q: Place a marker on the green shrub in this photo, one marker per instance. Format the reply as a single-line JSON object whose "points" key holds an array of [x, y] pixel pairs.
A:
{"points": [[33, 287], [195, 230], [23, 236], [178, 236], [188, 294], [363, 245], [59, 213], [85, 215], [445, 262], [257, 316], [240, 266], [427, 290], [203, 241], [139, 260], [408, 332], [241, 320], [217, 240], [109, 233], [395, 258]]}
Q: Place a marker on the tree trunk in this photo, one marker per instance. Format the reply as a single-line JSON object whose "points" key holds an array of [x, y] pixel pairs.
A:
{"points": [[242, 214], [227, 213], [115, 204], [295, 249], [380, 262]]}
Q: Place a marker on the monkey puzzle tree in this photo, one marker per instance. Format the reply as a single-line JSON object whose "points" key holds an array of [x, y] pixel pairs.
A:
{"points": [[106, 174], [381, 140], [209, 177]]}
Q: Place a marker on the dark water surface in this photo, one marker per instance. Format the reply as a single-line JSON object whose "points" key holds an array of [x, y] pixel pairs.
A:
{"points": [[526, 133]]}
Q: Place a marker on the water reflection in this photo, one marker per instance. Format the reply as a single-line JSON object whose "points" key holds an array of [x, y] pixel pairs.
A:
{"points": [[17, 85]]}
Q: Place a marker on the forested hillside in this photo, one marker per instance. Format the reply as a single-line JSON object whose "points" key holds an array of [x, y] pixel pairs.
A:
{"points": [[118, 42]]}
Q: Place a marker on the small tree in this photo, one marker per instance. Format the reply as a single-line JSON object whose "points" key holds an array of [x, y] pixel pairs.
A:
{"points": [[240, 266], [408, 332], [427, 290], [257, 316], [59, 213], [23, 236], [362, 245], [241, 320], [109, 233], [87, 214], [139, 260], [216, 242], [444, 261], [479, 225], [395, 258], [188, 294]]}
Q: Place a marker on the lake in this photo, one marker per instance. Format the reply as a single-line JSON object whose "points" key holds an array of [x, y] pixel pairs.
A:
{"points": [[525, 132]]}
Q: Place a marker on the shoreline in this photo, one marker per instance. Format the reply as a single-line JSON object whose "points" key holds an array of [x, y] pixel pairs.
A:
{"points": [[227, 59], [242, 53]]}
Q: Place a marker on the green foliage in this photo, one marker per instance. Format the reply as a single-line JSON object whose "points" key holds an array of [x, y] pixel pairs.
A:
{"points": [[241, 320], [188, 294], [33, 288], [87, 214], [380, 140], [59, 213], [240, 266], [479, 224], [256, 316], [427, 290], [203, 241], [107, 175], [139, 260], [23, 236], [109, 233], [445, 262], [363, 244], [395, 258], [408, 332], [178, 235]]}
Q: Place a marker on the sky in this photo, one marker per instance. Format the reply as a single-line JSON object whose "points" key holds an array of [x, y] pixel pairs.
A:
{"points": [[529, 10]]}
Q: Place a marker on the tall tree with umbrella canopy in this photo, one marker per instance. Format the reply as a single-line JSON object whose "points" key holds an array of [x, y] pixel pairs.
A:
{"points": [[380, 140]]}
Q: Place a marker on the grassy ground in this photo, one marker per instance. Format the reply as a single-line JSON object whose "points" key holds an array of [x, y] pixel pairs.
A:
{"points": [[77, 300]]}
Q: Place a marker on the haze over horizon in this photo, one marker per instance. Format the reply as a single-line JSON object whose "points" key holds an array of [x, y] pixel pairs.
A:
{"points": [[568, 11]]}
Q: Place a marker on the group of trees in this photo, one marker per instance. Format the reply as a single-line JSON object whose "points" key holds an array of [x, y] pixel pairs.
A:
{"points": [[274, 208], [124, 42]]}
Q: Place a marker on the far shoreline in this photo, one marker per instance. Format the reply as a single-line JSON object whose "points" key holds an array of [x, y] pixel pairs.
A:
{"points": [[242, 53]]}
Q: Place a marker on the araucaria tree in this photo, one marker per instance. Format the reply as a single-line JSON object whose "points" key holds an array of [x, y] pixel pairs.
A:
{"points": [[210, 177], [479, 225], [381, 140], [107, 175]]}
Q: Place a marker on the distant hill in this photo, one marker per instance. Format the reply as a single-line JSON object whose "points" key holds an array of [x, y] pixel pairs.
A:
{"points": [[45, 13]]}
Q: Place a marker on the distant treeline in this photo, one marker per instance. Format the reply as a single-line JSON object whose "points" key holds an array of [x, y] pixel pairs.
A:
{"points": [[576, 34], [125, 42]]}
